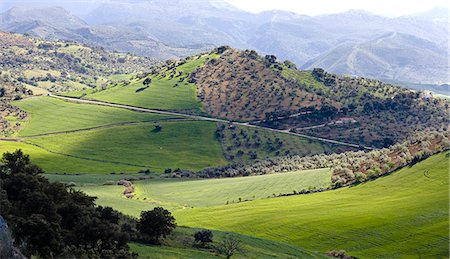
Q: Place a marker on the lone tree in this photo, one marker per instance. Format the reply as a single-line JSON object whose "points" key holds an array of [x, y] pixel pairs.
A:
{"points": [[157, 128], [269, 60], [229, 246], [203, 237], [155, 224], [147, 81]]}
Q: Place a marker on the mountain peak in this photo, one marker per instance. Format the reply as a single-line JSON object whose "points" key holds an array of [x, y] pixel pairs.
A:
{"points": [[55, 15]]}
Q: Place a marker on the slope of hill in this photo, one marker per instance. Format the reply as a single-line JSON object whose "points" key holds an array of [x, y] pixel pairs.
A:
{"points": [[33, 66], [98, 136], [63, 65], [177, 194], [366, 220], [394, 56], [243, 86], [179, 245]]}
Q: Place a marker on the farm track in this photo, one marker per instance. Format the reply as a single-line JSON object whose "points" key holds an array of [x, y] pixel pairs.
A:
{"points": [[203, 118], [11, 139]]}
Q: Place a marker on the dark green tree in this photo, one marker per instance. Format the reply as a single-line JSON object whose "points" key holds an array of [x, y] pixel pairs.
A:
{"points": [[155, 224]]}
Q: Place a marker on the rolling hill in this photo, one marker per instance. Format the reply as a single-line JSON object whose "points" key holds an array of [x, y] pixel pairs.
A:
{"points": [[243, 86], [389, 217], [283, 162]]}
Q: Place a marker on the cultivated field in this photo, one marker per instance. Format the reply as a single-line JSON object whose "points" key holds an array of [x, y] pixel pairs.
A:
{"points": [[401, 215], [48, 115], [178, 194], [163, 93], [188, 145]]}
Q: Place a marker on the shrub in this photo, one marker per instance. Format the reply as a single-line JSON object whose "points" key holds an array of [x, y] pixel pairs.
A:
{"points": [[339, 254], [360, 177], [203, 237]]}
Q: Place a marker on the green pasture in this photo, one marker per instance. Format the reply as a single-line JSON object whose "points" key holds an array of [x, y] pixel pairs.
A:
{"points": [[202, 193], [48, 115], [59, 163], [176, 194], [163, 93], [403, 215], [180, 245], [182, 144]]}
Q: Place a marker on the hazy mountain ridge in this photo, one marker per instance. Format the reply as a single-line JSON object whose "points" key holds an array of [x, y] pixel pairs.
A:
{"points": [[180, 28], [393, 56]]}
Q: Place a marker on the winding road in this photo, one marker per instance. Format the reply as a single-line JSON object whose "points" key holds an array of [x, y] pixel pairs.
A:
{"points": [[203, 118]]}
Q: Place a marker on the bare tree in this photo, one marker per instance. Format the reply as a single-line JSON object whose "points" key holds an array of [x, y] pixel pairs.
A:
{"points": [[229, 246]]}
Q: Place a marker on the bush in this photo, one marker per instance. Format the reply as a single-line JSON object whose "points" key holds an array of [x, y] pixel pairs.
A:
{"points": [[339, 254], [203, 237], [360, 177]]}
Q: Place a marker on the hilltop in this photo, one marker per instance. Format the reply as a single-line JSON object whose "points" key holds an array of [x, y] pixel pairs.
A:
{"points": [[244, 86]]}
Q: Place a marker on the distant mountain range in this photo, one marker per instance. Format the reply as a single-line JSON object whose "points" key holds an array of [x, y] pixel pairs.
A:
{"points": [[410, 48]]}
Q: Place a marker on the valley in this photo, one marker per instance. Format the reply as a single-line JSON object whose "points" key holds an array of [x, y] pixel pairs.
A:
{"points": [[227, 147]]}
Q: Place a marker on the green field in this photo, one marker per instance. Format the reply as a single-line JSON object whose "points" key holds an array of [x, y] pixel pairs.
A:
{"points": [[178, 193], [47, 115], [186, 144], [58, 163], [84, 138], [111, 195], [181, 241], [95, 179], [405, 214], [164, 93], [202, 193], [68, 137]]}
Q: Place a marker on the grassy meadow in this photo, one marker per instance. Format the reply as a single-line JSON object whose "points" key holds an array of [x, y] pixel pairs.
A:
{"points": [[63, 163], [203, 193], [48, 115], [180, 245], [405, 214], [187, 144], [164, 93], [177, 194]]}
